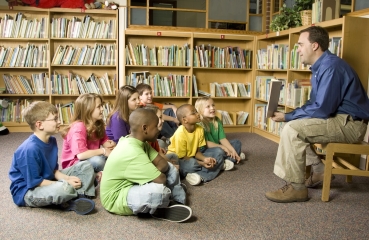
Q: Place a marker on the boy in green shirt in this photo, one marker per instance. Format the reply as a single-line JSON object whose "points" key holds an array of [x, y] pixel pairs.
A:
{"points": [[137, 179]]}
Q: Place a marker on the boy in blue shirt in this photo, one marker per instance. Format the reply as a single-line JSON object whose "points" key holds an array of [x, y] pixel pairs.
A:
{"points": [[34, 175]]}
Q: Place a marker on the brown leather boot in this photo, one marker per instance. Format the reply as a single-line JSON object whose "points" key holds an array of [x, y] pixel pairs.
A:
{"points": [[288, 194]]}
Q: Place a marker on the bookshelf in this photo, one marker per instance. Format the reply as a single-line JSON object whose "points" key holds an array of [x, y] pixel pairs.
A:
{"points": [[204, 74], [352, 30], [60, 27]]}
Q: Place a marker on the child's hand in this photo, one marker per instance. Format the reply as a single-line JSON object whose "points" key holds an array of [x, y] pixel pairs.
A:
{"points": [[209, 162], [108, 151], [226, 150], [163, 151], [235, 156], [74, 181], [110, 144]]}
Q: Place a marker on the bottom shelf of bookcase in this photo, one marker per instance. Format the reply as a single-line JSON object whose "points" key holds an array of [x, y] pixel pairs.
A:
{"points": [[266, 134], [236, 128], [17, 127]]}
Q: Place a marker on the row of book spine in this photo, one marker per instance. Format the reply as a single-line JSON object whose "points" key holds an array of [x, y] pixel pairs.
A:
{"points": [[264, 123], [217, 57], [24, 56], [157, 56], [85, 28], [275, 56], [20, 27], [165, 86], [230, 89], [73, 84], [13, 113], [18, 84], [99, 54]]}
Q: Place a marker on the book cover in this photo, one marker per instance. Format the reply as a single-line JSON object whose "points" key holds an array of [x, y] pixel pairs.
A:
{"points": [[275, 89]]}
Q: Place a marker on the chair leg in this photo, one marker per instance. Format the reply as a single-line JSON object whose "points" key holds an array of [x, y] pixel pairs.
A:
{"points": [[349, 178], [327, 175]]}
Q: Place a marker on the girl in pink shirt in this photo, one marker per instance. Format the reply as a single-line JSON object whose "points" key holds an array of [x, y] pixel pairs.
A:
{"points": [[83, 138]]}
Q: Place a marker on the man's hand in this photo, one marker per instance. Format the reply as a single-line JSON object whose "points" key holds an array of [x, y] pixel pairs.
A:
{"points": [[278, 117], [74, 181]]}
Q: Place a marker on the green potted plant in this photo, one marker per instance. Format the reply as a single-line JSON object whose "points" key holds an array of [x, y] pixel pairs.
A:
{"points": [[301, 5], [304, 7], [287, 18]]}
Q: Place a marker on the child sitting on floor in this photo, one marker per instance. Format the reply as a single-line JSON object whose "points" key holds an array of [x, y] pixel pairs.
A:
{"points": [[196, 162], [34, 175], [214, 132]]}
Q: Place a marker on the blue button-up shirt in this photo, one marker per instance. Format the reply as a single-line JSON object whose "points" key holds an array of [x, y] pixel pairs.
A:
{"points": [[336, 89]]}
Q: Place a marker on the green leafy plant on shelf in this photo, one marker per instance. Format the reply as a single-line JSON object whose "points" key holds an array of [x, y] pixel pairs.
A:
{"points": [[287, 18], [301, 5]]}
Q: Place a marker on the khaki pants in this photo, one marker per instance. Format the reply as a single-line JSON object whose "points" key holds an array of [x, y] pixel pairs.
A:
{"points": [[294, 151]]}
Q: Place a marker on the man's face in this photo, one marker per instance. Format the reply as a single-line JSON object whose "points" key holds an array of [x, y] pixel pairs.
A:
{"points": [[306, 49]]}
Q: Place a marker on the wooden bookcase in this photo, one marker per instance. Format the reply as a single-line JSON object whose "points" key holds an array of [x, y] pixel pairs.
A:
{"points": [[354, 32], [204, 75], [52, 42]]}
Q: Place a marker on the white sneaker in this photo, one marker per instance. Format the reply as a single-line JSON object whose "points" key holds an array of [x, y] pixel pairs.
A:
{"points": [[193, 179], [242, 156], [228, 165]]}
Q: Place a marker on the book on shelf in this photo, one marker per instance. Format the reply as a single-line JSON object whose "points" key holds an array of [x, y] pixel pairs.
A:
{"points": [[195, 90], [242, 117], [274, 92], [260, 116], [203, 93], [225, 117]]}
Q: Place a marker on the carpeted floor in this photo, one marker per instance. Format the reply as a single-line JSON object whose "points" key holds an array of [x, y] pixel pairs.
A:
{"points": [[232, 206]]}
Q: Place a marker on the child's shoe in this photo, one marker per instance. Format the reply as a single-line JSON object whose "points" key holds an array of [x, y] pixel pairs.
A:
{"points": [[242, 156], [228, 165], [193, 179], [175, 213], [80, 205], [98, 178]]}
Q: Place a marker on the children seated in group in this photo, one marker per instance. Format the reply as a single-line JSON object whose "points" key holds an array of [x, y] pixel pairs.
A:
{"points": [[214, 132], [171, 122], [84, 136], [137, 180], [196, 162], [34, 175], [126, 101], [171, 157]]}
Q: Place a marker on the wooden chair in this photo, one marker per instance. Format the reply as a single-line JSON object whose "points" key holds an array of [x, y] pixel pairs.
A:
{"points": [[342, 159]]}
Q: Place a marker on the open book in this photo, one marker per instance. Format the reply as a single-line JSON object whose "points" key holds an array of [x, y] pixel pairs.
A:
{"points": [[274, 91]]}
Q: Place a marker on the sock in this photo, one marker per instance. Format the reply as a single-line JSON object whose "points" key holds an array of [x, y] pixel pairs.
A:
{"points": [[298, 186], [318, 168]]}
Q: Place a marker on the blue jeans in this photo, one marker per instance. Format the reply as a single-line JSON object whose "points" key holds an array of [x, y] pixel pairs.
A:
{"points": [[169, 127], [192, 166], [150, 196], [97, 162], [236, 144], [61, 191]]}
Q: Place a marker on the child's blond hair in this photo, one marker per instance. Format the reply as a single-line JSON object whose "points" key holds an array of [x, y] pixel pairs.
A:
{"points": [[206, 122], [84, 106], [38, 111]]}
